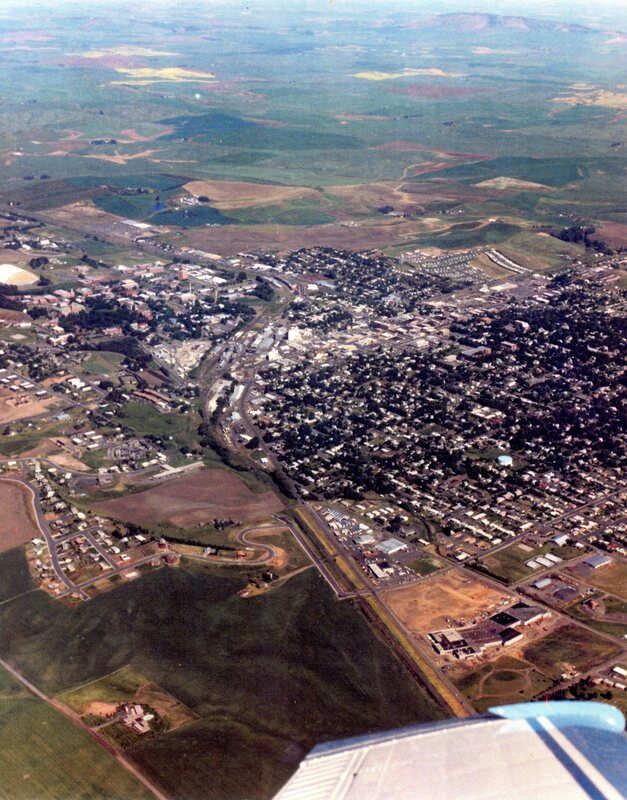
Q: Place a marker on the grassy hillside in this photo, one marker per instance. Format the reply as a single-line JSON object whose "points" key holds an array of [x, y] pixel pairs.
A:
{"points": [[269, 676]]}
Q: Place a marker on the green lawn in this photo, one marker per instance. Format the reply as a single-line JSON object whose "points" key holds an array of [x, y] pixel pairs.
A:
{"points": [[425, 566], [44, 755], [569, 645]]}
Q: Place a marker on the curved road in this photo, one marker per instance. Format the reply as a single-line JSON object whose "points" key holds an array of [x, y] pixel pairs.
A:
{"points": [[270, 552]]}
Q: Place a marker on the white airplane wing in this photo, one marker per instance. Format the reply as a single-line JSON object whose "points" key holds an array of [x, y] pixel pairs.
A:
{"points": [[533, 751]]}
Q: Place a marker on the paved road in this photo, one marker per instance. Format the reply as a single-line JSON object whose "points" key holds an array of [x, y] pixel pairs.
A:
{"points": [[321, 563], [76, 720], [45, 532], [269, 552]]}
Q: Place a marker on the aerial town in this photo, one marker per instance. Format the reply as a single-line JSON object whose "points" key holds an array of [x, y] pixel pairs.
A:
{"points": [[312, 387], [430, 426]]}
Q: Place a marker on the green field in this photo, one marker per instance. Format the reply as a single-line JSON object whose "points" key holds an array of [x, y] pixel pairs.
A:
{"points": [[510, 564], [548, 171], [266, 678], [611, 578], [118, 687], [147, 421], [26, 438], [569, 645], [44, 755], [100, 362], [609, 627], [15, 578], [425, 566], [504, 680], [469, 236], [614, 606]]}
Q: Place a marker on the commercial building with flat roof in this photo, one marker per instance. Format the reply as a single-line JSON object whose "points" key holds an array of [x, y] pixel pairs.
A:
{"points": [[597, 561], [391, 546]]}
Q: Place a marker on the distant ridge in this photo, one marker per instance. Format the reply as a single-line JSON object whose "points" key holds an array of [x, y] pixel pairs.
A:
{"points": [[473, 22]]}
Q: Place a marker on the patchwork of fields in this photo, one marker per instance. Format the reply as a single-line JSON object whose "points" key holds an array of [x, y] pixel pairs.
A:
{"points": [[435, 111]]}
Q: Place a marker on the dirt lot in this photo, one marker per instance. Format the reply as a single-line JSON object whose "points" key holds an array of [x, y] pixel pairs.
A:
{"points": [[237, 194], [14, 406], [450, 600], [100, 709], [193, 500], [69, 462], [42, 448], [18, 517], [84, 216], [165, 704], [133, 136]]}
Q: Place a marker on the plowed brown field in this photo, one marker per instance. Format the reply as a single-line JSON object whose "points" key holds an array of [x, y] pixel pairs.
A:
{"points": [[18, 523], [193, 500]]}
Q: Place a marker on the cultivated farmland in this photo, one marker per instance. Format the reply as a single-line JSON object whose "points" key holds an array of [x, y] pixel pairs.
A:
{"points": [[44, 756], [193, 500], [18, 523]]}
